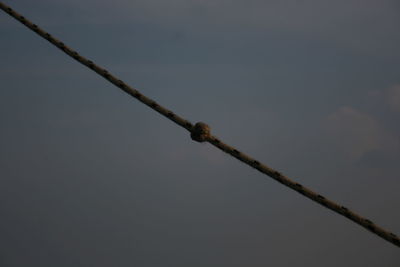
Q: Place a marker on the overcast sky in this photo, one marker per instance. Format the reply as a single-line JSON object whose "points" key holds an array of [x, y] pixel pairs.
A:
{"points": [[91, 177]]}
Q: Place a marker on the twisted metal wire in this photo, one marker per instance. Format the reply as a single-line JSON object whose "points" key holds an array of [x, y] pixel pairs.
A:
{"points": [[200, 132]]}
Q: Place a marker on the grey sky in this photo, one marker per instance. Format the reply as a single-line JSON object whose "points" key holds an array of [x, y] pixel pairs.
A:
{"points": [[90, 177]]}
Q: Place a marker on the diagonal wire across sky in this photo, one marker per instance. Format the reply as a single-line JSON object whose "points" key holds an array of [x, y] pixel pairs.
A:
{"points": [[201, 132]]}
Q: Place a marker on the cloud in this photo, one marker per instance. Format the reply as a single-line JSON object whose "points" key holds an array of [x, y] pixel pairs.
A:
{"points": [[355, 134], [393, 97], [389, 97]]}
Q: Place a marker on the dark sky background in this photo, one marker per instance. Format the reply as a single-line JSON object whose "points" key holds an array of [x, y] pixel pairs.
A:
{"points": [[91, 177]]}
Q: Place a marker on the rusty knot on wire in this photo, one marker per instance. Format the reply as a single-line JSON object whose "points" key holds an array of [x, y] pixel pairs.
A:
{"points": [[200, 132]]}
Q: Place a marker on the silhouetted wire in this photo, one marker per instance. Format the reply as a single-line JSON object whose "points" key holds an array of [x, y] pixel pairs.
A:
{"points": [[200, 132]]}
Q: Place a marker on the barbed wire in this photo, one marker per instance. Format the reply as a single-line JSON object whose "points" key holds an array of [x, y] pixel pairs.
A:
{"points": [[200, 132]]}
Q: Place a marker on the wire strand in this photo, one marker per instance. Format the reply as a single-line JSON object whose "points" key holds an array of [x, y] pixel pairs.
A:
{"points": [[201, 132]]}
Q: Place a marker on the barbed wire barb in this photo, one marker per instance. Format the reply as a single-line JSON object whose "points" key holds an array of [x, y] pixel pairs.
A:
{"points": [[201, 132]]}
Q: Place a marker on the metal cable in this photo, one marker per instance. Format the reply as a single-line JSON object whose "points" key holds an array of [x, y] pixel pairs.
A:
{"points": [[200, 132]]}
